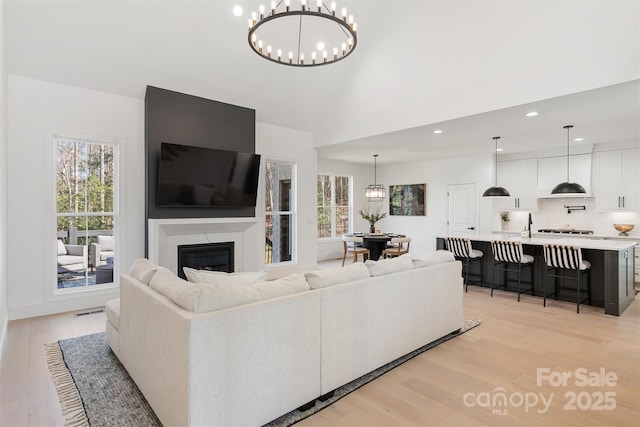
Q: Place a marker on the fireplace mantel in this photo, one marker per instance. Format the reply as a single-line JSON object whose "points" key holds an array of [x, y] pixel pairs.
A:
{"points": [[164, 236]]}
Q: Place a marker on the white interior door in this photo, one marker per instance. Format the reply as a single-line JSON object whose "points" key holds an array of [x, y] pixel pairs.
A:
{"points": [[461, 215]]}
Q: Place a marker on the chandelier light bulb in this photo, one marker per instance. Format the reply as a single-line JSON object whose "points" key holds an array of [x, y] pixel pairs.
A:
{"points": [[302, 57], [274, 4], [313, 57], [261, 10], [279, 53], [250, 21], [254, 39], [254, 16], [344, 13], [319, 5], [324, 56], [344, 48], [333, 7], [303, 4], [335, 53], [269, 51], [287, 5], [290, 57]]}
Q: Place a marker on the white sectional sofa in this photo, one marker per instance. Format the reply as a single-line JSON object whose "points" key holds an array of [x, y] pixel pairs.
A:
{"points": [[201, 360]]}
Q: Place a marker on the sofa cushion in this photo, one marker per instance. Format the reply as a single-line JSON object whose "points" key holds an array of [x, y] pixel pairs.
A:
{"points": [[221, 277], [205, 297], [335, 276], [105, 242], [143, 270], [70, 260], [433, 258], [183, 293], [112, 310], [62, 249], [391, 265]]}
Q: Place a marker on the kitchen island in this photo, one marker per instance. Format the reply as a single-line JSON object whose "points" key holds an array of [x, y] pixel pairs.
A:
{"points": [[612, 266]]}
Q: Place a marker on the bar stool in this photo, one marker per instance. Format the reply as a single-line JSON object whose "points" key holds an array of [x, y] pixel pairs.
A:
{"points": [[565, 262], [506, 252], [462, 250], [351, 246], [398, 247]]}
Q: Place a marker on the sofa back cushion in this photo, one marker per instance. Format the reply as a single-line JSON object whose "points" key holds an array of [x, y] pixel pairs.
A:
{"points": [[206, 297], [62, 249], [143, 270], [220, 277], [388, 266], [335, 276], [105, 242], [433, 258]]}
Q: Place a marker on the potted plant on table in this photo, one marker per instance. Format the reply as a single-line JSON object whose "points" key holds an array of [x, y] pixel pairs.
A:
{"points": [[372, 217]]}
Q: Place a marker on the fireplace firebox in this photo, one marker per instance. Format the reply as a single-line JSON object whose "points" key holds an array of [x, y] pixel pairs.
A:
{"points": [[206, 256]]}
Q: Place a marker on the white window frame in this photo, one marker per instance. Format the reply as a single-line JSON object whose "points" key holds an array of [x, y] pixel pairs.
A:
{"points": [[116, 144], [293, 204], [333, 205]]}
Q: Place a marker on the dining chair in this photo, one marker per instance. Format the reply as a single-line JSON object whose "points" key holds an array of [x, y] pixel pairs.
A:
{"points": [[397, 247], [462, 250], [352, 246], [508, 256], [565, 262]]}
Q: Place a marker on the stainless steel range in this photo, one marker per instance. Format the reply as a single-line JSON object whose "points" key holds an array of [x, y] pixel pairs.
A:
{"points": [[564, 231]]}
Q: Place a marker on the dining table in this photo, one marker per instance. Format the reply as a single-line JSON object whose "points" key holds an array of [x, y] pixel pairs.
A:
{"points": [[375, 242]]}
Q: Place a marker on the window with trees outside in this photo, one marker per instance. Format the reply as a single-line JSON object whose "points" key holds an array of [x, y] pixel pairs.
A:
{"points": [[279, 212], [334, 205], [85, 213]]}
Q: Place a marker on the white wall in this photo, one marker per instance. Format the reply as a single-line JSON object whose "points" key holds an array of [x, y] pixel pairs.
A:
{"points": [[278, 143], [4, 306], [36, 109], [437, 174]]}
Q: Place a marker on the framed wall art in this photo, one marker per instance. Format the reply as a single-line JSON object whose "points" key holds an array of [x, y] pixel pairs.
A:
{"points": [[408, 199]]}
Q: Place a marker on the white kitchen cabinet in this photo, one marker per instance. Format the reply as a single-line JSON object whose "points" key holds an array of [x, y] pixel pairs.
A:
{"points": [[553, 170], [520, 178], [616, 179]]}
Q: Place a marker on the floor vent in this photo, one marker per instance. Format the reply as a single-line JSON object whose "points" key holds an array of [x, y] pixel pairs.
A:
{"points": [[86, 313]]}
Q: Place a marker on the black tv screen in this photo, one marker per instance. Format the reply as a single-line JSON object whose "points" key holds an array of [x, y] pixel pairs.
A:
{"points": [[206, 177]]}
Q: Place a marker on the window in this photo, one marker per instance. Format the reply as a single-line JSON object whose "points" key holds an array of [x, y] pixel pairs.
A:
{"points": [[279, 212], [85, 214], [334, 205]]}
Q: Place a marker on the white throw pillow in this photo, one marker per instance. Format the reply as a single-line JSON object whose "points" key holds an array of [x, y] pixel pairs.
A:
{"points": [[105, 242], [335, 276], [433, 258], [220, 277], [391, 265], [143, 270], [62, 249]]}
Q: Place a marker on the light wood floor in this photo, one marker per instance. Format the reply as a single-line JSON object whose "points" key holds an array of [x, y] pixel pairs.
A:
{"points": [[504, 352]]}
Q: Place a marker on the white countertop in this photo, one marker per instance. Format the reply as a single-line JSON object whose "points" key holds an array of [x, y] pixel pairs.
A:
{"points": [[583, 242]]}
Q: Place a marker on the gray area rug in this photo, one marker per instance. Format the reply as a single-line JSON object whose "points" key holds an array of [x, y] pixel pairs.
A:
{"points": [[95, 389]]}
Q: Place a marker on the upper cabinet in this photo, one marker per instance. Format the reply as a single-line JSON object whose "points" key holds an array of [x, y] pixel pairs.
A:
{"points": [[616, 179], [520, 178], [553, 170]]}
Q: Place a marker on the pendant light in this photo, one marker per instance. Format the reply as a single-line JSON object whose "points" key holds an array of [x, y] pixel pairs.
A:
{"points": [[568, 188], [496, 192], [375, 192]]}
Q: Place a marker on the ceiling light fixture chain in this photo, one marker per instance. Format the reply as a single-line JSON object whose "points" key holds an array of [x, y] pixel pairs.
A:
{"points": [[341, 50]]}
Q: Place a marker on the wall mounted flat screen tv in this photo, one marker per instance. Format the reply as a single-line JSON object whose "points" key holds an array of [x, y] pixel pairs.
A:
{"points": [[206, 177]]}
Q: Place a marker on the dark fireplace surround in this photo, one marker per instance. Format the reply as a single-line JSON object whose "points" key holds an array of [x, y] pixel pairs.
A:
{"points": [[206, 256]]}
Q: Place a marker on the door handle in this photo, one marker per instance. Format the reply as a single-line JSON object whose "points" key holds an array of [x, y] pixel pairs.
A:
{"points": [[623, 201], [471, 228]]}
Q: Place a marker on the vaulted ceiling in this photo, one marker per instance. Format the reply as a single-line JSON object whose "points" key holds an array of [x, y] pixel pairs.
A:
{"points": [[472, 68]]}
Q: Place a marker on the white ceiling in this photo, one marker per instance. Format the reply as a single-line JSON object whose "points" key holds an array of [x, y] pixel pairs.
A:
{"points": [[459, 66]]}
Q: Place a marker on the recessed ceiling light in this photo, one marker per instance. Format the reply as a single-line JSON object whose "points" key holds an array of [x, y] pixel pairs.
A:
{"points": [[437, 131], [532, 113], [499, 149], [237, 11], [320, 46], [579, 139]]}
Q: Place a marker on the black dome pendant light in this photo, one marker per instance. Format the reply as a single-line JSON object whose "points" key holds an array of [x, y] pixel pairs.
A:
{"points": [[496, 192], [568, 188]]}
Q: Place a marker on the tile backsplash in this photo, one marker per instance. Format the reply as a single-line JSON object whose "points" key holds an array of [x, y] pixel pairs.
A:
{"points": [[552, 213]]}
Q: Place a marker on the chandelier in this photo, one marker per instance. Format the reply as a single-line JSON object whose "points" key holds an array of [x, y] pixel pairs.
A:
{"points": [[375, 192], [304, 36]]}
